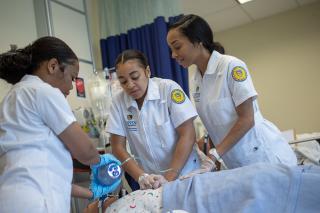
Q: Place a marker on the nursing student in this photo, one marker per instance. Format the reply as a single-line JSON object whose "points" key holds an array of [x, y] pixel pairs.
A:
{"points": [[38, 131], [226, 99], [156, 118]]}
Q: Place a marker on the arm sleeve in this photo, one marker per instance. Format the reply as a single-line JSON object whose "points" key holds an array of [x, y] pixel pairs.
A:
{"points": [[115, 124], [180, 106], [54, 109], [240, 82]]}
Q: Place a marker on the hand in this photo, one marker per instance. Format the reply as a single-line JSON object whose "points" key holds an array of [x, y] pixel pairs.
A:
{"points": [[207, 165], [151, 181], [159, 181], [93, 207], [105, 159], [98, 189]]}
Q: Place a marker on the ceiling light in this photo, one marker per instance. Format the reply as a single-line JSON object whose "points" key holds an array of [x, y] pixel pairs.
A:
{"points": [[243, 1]]}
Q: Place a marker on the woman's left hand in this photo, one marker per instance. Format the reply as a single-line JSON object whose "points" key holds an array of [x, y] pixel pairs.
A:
{"points": [[207, 165]]}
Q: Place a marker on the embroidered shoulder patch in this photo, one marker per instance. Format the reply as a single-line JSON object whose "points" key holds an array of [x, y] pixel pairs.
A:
{"points": [[177, 96], [239, 74]]}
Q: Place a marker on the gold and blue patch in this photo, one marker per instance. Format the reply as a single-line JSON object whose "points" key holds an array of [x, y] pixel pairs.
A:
{"points": [[239, 74], [177, 96]]}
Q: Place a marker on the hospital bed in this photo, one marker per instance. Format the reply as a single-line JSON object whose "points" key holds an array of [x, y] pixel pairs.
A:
{"points": [[307, 149], [316, 138], [255, 188], [305, 197]]}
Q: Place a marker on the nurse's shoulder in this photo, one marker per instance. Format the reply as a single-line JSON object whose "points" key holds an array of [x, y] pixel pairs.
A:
{"points": [[32, 89], [167, 86], [237, 69], [120, 99]]}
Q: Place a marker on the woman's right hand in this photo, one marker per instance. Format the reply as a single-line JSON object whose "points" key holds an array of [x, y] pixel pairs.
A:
{"points": [[151, 181]]}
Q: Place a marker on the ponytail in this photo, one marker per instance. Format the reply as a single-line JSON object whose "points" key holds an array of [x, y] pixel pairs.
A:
{"points": [[214, 46], [14, 64], [218, 47]]}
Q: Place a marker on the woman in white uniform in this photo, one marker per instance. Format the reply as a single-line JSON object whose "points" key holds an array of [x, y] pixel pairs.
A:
{"points": [[38, 132], [156, 118], [226, 99]]}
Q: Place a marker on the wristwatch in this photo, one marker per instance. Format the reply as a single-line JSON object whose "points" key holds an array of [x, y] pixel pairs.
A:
{"points": [[215, 154]]}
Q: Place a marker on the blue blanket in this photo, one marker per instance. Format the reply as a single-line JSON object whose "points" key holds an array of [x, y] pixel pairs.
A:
{"points": [[255, 188]]}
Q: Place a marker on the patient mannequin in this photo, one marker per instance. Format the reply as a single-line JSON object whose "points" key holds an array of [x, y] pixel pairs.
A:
{"points": [[150, 199], [85, 193], [93, 207], [246, 189]]}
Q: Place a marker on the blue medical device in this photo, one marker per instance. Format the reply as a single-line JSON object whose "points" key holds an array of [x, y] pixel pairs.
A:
{"points": [[109, 174]]}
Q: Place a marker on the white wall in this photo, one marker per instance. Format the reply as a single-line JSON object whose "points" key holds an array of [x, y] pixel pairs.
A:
{"points": [[71, 26], [94, 28], [283, 56], [18, 26], [17, 23]]}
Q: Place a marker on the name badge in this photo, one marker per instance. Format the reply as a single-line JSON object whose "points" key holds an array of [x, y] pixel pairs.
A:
{"points": [[132, 125], [196, 96]]}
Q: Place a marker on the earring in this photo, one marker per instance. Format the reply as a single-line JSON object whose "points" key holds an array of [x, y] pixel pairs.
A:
{"points": [[148, 71]]}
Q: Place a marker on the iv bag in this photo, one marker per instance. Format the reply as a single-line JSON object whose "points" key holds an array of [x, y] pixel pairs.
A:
{"points": [[114, 84], [100, 95]]}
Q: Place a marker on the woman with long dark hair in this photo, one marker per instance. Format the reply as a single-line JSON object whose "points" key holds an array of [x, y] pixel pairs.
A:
{"points": [[226, 99]]}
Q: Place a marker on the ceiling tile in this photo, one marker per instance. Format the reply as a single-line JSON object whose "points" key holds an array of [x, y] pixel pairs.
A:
{"points": [[263, 8], [226, 14], [203, 7], [227, 19]]}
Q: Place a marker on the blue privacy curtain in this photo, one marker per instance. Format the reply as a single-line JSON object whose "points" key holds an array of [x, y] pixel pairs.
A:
{"points": [[151, 40]]}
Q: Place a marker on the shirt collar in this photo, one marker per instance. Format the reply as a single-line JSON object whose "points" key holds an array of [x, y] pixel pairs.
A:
{"points": [[212, 65], [153, 93], [31, 78]]}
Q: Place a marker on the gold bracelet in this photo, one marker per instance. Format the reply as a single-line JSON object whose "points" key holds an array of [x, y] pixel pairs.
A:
{"points": [[126, 160]]}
